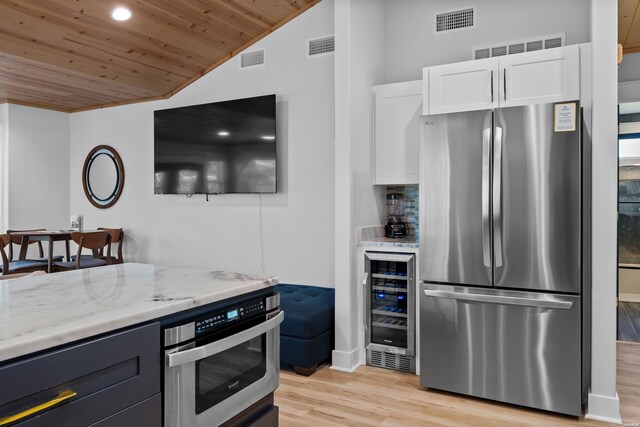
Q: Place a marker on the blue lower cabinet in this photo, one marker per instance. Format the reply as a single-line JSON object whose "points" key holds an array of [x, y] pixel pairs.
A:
{"points": [[147, 413], [101, 382]]}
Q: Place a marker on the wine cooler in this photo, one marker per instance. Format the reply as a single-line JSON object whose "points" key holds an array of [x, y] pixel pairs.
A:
{"points": [[389, 292]]}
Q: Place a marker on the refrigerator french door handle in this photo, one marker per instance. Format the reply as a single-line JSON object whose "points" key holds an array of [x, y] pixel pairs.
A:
{"points": [[500, 299], [486, 170], [497, 196]]}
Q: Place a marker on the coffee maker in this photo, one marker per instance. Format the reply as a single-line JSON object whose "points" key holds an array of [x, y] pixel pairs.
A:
{"points": [[396, 224]]}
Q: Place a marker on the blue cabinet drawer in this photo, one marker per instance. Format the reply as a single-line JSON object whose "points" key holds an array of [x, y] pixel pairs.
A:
{"points": [[147, 413], [107, 375]]}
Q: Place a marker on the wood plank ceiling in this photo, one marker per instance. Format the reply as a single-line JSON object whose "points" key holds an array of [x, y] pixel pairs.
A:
{"points": [[629, 25], [69, 55]]}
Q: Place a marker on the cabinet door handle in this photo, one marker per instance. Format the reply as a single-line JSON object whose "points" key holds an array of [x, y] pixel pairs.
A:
{"points": [[504, 74], [65, 395], [492, 86]]}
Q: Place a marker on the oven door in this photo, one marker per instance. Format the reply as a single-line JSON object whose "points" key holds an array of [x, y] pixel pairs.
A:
{"points": [[210, 380]]}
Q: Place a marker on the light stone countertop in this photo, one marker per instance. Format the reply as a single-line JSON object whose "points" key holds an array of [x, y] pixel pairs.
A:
{"points": [[374, 236], [404, 242], [41, 312]]}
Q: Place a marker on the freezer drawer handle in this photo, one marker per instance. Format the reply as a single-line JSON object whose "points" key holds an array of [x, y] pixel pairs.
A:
{"points": [[497, 299]]}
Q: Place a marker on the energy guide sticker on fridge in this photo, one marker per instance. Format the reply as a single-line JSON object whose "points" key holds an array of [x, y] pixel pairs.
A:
{"points": [[565, 117]]}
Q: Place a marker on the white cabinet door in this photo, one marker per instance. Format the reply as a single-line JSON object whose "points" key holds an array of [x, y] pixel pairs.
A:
{"points": [[464, 86], [551, 75], [396, 141]]}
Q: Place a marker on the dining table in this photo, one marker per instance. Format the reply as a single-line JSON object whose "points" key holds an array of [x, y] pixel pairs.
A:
{"points": [[44, 236]]}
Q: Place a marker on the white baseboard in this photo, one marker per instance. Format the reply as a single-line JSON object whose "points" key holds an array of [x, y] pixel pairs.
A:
{"points": [[345, 361], [628, 297], [604, 408]]}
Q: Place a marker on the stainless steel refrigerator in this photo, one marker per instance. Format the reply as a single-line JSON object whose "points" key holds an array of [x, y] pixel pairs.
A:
{"points": [[501, 255]]}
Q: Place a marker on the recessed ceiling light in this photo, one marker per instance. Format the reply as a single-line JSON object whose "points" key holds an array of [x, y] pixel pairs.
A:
{"points": [[268, 137], [121, 14], [223, 133]]}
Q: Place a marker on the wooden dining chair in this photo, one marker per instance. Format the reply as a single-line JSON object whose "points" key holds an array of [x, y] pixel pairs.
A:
{"points": [[117, 236], [19, 266], [17, 240], [95, 241]]}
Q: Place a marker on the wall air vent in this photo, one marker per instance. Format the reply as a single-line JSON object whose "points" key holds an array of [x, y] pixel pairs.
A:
{"points": [[454, 20], [553, 42], [518, 46], [499, 51], [251, 59], [321, 45], [534, 45], [482, 53]]}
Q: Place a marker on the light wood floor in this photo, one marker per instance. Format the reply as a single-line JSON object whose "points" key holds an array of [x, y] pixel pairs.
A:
{"points": [[629, 382], [379, 397], [629, 321]]}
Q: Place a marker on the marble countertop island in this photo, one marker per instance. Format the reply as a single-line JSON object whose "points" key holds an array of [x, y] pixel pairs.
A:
{"points": [[37, 313]]}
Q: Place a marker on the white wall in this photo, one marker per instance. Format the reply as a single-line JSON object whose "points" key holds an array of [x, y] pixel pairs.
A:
{"points": [[629, 69], [360, 31], [37, 153], [412, 45], [603, 399], [629, 148], [629, 78], [4, 191], [224, 233]]}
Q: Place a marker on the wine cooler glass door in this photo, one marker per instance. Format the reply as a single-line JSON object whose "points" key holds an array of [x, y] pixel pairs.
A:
{"points": [[391, 306]]}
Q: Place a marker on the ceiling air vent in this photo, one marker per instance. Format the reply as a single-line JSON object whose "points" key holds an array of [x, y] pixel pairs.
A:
{"points": [[251, 59], [455, 20], [321, 45], [518, 46]]}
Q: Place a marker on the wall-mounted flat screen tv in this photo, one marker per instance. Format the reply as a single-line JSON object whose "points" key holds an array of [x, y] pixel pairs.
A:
{"points": [[222, 147]]}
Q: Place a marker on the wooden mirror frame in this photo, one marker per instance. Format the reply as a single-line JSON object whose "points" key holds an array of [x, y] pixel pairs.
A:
{"points": [[119, 184]]}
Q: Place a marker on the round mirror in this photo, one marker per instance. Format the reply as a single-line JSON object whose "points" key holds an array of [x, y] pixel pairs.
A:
{"points": [[103, 176]]}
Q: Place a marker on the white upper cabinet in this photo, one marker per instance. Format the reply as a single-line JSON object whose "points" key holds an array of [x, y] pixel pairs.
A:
{"points": [[463, 86], [396, 145], [551, 75]]}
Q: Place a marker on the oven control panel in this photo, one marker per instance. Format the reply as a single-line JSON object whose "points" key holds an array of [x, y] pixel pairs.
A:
{"points": [[228, 315]]}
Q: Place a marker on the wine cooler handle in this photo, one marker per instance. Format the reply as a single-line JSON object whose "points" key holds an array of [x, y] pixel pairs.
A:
{"points": [[365, 311]]}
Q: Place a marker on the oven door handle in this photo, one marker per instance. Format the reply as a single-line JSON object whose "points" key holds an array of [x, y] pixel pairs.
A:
{"points": [[198, 353]]}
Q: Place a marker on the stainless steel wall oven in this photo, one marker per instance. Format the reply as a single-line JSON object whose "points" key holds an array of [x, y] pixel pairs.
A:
{"points": [[220, 362]]}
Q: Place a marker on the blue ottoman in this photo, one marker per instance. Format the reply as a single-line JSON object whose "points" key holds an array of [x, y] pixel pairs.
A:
{"points": [[306, 334]]}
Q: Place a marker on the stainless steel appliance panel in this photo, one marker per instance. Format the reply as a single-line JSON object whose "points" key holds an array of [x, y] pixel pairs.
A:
{"points": [[455, 240], [210, 380], [512, 346], [536, 200]]}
